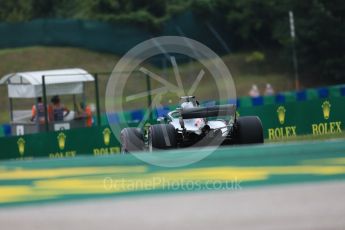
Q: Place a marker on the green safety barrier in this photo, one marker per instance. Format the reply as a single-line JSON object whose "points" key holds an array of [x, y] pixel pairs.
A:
{"points": [[68, 143], [245, 102], [269, 100], [293, 96], [290, 96], [311, 94], [316, 117], [334, 91]]}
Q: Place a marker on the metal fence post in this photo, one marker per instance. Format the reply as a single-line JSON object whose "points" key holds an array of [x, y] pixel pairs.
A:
{"points": [[11, 108], [97, 100], [149, 98], [45, 103]]}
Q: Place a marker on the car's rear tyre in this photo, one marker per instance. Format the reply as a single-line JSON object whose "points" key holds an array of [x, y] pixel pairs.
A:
{"points": [[162, 136], [249, 130], [132, 140]]}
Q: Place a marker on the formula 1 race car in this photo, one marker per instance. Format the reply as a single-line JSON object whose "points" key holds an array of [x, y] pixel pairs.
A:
{"points": [[192, 125]]}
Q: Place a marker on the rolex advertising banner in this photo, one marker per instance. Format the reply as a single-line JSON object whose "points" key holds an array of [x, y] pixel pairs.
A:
{"points": [[69, 143], [316, 117]]}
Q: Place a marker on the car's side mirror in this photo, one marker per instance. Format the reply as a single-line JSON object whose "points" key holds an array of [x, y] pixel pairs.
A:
{"points": [[161, 119]]}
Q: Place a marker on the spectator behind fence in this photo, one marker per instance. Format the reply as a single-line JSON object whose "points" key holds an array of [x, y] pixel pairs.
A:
{"points": [[269, 90], [56, 110], [37, 111], [254, 91]]}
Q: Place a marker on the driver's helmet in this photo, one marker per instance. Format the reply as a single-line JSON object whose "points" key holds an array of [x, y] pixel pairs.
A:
{"points": [[187, 105], [190, 100]]}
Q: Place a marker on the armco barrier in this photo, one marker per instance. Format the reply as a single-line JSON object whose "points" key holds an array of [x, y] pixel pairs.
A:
{"points": [[316, 117]]}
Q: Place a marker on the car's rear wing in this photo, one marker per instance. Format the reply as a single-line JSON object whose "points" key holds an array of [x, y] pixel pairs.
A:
{"points": [[203, 112]]}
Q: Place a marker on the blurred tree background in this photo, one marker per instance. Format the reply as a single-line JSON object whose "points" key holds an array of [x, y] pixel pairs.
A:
{"points": [[252, 24]]}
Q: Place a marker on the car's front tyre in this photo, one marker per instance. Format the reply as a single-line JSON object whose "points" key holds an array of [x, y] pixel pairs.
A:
{"points": [[249, 130], [132, 140]]}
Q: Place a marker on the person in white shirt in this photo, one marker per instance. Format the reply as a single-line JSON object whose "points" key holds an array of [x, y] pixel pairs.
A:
{"points": [[254, 91], [269, 90]]}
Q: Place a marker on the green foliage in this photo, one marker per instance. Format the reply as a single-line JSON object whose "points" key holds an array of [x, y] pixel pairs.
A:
{"points": [[254, 24], [255, 56], [150, 13], [16, 10], [250, 24]]}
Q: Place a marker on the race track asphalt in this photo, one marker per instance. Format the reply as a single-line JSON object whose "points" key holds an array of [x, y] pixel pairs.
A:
{"points": [[303, 206], [276, 186]]}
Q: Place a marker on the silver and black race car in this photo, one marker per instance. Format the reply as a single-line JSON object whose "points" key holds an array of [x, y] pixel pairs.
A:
{"points": [[193, 125]]}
